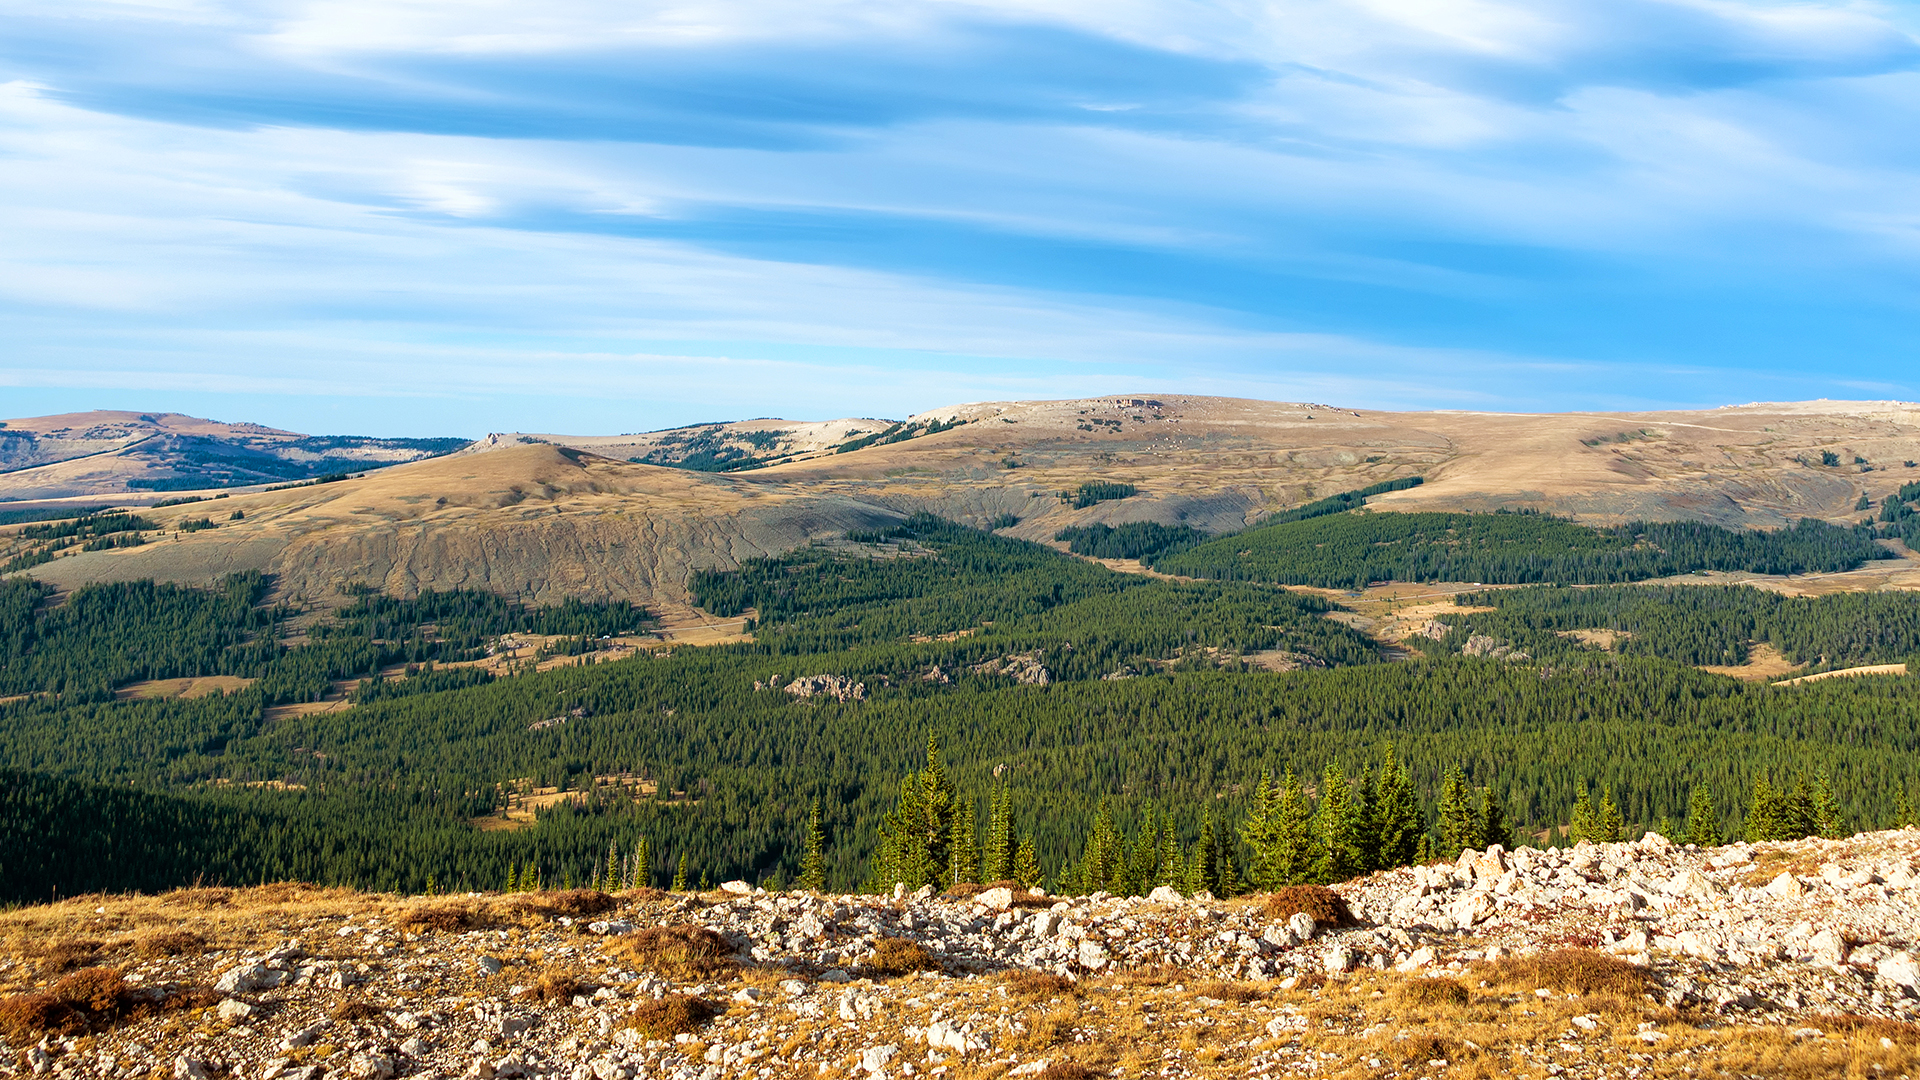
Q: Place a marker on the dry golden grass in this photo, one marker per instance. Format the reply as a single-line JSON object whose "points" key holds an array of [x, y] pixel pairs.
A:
{"points": [[893, 957], [570, 902], [685, 952], [170, 943], [1067, 1070], [1579, 971], [1239, 993], [1427, 993], [68, 953], [1038, 985], [673, 1014], [558, 985]]}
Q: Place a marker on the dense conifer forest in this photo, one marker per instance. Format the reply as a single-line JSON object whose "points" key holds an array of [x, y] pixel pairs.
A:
{"points": [[1024, 713]]}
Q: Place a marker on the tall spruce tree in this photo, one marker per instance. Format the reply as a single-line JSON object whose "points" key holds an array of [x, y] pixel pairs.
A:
{"points": [[1703, 820], [1026, 864], [938, 802], [1610, 826], [1339, 825], [1260, 831], [1586, 822], [1459, 825], [680, 875], [1826, 809], [1167, 856], [1299, 851], [1493, 820], [997, 859], [1397, 822], [963, 863], [813, 867]]}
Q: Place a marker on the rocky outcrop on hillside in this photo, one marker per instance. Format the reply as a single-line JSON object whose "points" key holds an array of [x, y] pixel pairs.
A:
{"points": [[1749, 958]]}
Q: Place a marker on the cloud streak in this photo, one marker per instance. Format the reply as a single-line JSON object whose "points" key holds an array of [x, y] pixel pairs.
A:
{"points": [[1551, 204]]}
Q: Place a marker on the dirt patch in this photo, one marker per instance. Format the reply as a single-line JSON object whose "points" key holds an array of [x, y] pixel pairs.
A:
{"points": [[1763, 662], [1599, 639], [1869, 669], [189, 689]]}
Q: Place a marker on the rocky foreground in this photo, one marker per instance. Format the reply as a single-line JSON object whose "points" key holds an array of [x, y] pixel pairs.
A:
{"points": [[1629, 960]]}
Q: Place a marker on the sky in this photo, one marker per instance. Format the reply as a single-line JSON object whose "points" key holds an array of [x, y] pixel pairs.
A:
{"points": [[414, 217]]}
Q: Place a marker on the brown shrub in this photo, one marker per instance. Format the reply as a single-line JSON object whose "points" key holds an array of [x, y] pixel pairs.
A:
{"points": [[670, 1015], [23, 1015], [443, 918], [1420, 1047], [557, 985], [1067, 1070], [69, 953], [96, 990], [171, 943], [646, 894], [200, 898], [1326, 907], [1430, 992], [185, 999], [679, 951], [1035, 985], [900, 956], [357, 1010], [569, 902], [1579, 971], [1239, 993]]}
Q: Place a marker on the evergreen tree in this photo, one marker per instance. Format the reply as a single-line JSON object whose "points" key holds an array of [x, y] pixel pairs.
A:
{"points": [[1339, 827], [1903, 816], [1026, 865], [1610, 825], [680, 875], [1261, 833], [1586, 823], [1168, 857], [1703, 820], [1459, 825], [1826, 809], [902, 855], [1397, 824], [1493, 820], [610, 881], [1199, 868], [1299, 855], [641, 876], [1143, 856], [938, 804], [1102, 860], [813, 867], [963, 862], [997, 861]]}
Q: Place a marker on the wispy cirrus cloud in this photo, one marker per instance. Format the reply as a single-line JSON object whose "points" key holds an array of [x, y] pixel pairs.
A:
{"points": [[1519, 205]]}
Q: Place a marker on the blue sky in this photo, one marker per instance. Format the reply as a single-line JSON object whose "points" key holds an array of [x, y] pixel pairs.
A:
{"points": [[417, 217]]}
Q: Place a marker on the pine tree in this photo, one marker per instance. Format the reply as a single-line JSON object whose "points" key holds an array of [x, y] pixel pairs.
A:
{"points": [[901, 855], [1026, 865], [513, 880], [1396, 815], [680, 875], [612, 879], [1101, 860], [1339, 828], [1261, 833], [1168, 857], [641, 876], [1143, 855], [1610, 826], [1493, 820], [1585, 824], [1903, 816], [1703, 821], [1826, 809], [1200, 868], [997, 860], [813, 866], [1299, 858], [1459, 825], [1366, 827], [938, 802], [963, 861]]}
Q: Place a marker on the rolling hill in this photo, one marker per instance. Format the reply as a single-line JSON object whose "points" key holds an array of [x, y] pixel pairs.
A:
{"points": [[549, 516]]}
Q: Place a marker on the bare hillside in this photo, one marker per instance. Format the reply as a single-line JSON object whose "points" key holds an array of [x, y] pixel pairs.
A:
{"points": [[552, 516], [144, 456]]}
